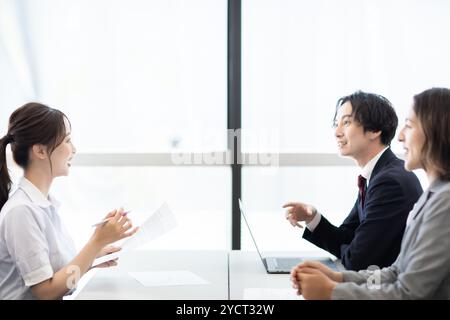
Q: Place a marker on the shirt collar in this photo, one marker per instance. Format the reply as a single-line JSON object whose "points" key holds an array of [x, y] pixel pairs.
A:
{"points": [[436, 185], [36, 195], [366, 171]]}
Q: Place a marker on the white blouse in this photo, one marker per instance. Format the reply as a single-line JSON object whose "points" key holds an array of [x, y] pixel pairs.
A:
{"points": [[34, 244]]}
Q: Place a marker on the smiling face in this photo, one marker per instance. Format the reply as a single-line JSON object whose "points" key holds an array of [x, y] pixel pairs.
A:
{"points": [[350, 136], [413, 139], [62, 155]]}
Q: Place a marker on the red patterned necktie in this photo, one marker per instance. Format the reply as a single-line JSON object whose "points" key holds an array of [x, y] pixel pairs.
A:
{"points": [[362, 189]]}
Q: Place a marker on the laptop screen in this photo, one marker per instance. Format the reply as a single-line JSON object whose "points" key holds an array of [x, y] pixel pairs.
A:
{"points": [[249, 230]]}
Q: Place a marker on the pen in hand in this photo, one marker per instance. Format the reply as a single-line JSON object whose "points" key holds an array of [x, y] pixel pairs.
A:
{"points": [[107, 219]]}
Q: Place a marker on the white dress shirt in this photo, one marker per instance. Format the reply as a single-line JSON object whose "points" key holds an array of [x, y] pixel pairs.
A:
{"points": [[34, 243], [366, 172]]}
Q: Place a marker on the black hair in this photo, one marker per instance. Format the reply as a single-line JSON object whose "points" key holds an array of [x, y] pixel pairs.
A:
{"points": [[31, 124], [374, 112]]}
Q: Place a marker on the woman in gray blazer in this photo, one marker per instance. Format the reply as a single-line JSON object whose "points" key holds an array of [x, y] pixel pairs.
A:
{"points": [[422, 269]]}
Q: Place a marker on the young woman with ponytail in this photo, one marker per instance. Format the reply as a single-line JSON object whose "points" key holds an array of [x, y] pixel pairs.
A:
{"points": [[38, 259]]}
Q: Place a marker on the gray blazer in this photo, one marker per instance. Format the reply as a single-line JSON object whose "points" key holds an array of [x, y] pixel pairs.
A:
{"points": [[422, 269]]}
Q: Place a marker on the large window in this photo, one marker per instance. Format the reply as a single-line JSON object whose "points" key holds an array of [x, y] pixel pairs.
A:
{"points": [[138, 79], [142, 80], [134, 76], [298, 58], [199, 198]]}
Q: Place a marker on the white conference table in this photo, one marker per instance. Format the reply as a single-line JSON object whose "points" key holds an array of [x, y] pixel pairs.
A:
{"points": [[115, 283], [248, 272], [228, 275]]}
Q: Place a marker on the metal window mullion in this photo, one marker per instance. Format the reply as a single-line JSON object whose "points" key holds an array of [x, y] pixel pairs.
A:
{"points": [[234, 114]]}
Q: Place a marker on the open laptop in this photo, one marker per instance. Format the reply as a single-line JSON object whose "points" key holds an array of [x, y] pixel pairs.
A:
{"points": [[282, 264]]}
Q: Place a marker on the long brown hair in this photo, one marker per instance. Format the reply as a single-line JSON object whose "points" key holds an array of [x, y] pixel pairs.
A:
{"points": [[432, 108], [31, 124]]}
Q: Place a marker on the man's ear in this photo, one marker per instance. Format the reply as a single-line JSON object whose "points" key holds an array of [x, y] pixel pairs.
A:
{"points": [[39, 151], [374, 135]]}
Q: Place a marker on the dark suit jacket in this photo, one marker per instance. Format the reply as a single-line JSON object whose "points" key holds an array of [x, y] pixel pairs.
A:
{"points": [[372, 235]]}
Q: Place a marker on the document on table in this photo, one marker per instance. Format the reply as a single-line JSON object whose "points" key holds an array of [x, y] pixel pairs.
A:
{"points": [[271, 294], [159, 223], [167, 278]]}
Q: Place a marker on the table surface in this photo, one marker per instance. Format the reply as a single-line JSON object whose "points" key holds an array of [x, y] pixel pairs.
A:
{"points": [[117, 283], [228, 275]]}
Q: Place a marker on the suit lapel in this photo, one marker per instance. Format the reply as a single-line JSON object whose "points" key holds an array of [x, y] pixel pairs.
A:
{"points": [[419, 208], [385, 158], [411, 227]]}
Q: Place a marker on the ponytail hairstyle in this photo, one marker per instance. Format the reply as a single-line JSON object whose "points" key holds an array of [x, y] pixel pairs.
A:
{"points": [[5, 179], [31, 124]]}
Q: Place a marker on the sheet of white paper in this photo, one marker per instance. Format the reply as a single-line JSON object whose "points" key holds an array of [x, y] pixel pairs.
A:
{"points": [[167, 278], [271, 294], [159, 223], [108, 257]]}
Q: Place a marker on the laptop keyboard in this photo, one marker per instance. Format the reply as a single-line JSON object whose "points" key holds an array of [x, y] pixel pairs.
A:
{"points": [[287, 263]]}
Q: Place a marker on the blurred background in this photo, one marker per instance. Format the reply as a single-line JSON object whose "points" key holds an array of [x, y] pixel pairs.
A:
{"points": [[142, 80]]}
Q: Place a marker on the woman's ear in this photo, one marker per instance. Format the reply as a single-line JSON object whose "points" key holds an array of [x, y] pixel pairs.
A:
{"points": [[39, 151]]}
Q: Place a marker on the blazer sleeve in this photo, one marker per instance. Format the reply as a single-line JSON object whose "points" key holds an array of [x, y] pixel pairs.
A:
{"points": [[428, 261], [330, 237], [370, 242], [387, 275]]}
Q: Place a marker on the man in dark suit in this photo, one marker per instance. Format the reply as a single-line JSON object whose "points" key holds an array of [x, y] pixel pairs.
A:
{"points": [[371, 234]]}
